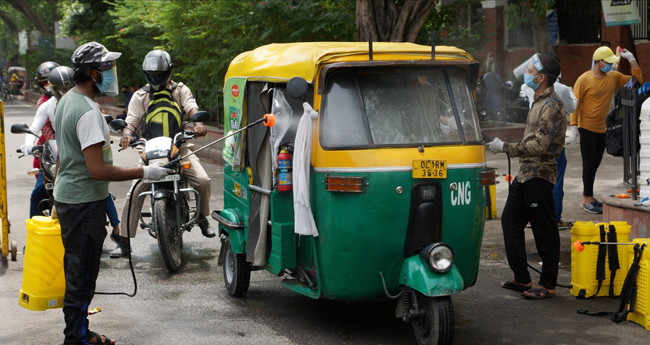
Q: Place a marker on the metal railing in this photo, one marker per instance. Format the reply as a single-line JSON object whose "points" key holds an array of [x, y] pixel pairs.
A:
{"points": [[631, 111]]}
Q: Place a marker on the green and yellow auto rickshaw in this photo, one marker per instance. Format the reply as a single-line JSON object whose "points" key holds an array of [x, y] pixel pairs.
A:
{"points": [[387, 198]]}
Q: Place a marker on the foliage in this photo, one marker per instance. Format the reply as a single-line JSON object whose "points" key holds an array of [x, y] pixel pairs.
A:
{"points": [[516, 13]]}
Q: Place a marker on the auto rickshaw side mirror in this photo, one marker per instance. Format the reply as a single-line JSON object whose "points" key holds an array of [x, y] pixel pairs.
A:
{"points": [[19, 128], [297, 87], [201, 116], [108, 119], [118, 124]]}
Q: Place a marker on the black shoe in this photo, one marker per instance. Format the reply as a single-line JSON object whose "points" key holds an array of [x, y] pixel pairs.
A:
{"points": [[121, 251], [206, 229]]}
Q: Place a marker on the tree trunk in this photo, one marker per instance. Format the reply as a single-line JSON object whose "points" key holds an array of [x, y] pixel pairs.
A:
{"points": [[539, 26], [27, 10], [389, 22], [5, 17]]}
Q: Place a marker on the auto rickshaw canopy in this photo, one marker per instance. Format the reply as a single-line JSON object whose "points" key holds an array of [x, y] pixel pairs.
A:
{"points": [[284, 61]]}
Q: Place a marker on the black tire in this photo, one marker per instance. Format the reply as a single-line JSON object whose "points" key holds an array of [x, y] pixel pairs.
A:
{"points": [[169, 242], [437, 327], [236, 271]]}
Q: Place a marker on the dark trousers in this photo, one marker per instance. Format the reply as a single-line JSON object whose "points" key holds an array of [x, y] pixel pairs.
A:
{"points": [[83, 232], [592, 148], [531, 201], [558, 188], [38, 193]]}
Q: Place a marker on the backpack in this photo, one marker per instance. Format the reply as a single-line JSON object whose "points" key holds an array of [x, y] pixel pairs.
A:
{"points": [[614, 123], [163, 117]]}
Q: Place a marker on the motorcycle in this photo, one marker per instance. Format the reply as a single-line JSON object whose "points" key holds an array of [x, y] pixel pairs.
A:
{"points": [[500, 102], [46, 155], [174, 203]]}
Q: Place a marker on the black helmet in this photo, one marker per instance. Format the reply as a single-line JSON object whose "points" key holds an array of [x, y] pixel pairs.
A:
{"points": [[157, 67], [42, 72], [92, 55], [61, 80]]}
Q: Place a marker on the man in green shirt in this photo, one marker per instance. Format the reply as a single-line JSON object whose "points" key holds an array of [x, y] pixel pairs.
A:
{"points": [[85, 165]]}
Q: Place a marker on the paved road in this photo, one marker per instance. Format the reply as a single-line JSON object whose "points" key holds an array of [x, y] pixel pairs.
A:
{"points": [[192, 307]]}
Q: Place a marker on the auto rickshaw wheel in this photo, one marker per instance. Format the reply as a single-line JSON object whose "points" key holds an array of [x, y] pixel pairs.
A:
{"points": [[437, 325], [236, 271]]}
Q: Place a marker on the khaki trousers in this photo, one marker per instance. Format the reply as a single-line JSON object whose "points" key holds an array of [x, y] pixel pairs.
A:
{"points": [[196, 176]]}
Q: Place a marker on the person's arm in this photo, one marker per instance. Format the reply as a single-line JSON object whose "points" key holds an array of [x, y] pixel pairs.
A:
{"points": [[636, 70], [189, 106], [134, 115], [549, 124], [99, 170], [579, 92]]}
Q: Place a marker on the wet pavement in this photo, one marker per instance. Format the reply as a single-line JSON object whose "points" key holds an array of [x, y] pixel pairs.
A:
{"points": [[192, 306]]}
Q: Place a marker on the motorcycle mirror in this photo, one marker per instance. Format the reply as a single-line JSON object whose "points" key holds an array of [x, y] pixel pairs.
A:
{"points": [[492, 81], [108, 119], [20, 128], [118, 124], [297, 87], [201, 116]]}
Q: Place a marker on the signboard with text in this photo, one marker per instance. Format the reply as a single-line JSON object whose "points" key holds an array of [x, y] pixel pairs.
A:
{"points": [[233, 104], [553, 30], [620, 12]]}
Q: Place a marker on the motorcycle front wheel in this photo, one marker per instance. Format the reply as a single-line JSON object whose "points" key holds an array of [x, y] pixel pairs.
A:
{"points": [[170, 239]]}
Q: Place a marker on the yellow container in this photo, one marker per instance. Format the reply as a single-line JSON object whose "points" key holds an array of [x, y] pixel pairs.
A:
{"points": [[491, 211], [641, 314], [583, 265], [43, 278]]}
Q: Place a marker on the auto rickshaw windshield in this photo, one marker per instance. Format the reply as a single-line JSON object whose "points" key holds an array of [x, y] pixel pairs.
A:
{"points": [[410, 106]]}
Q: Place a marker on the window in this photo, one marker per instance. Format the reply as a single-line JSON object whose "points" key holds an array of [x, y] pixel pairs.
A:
{"points": [[404, 107]]}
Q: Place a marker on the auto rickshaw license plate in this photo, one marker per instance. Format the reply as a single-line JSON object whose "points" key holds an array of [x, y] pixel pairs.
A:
{"points": [[429, 168]]}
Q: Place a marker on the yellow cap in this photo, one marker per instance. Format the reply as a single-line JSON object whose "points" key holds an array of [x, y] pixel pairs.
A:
{"points": [[604, 53]]}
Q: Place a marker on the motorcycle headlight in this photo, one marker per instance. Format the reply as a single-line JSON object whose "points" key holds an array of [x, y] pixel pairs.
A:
{"points": [[438, 256]]}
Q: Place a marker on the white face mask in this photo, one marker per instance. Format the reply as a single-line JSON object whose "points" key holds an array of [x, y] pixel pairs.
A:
{"points": [[47, 88]]}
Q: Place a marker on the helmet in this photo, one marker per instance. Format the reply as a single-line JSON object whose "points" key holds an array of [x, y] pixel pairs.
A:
{"points": [[94, 55], [42, 72], [157, 67], [61, 80]]}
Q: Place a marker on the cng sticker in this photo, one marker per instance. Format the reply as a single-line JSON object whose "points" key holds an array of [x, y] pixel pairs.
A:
{"points": [[462, 195], [235, 90], [238, 189]]}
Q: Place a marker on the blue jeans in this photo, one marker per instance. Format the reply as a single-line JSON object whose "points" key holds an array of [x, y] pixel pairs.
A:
{"points": [[39, 193], [111, 211], [558, 189]]}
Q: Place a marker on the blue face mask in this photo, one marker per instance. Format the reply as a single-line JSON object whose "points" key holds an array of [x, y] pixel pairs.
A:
{"points": [[109, 85], [528, 80], [607, 68]]}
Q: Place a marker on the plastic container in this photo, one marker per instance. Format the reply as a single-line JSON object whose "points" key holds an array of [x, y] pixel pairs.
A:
{"points": [[641, 314], [584, 264], [43, 277]]}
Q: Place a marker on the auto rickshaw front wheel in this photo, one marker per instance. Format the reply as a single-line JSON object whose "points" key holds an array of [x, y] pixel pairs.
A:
{"points": [[436, 327], [236, 271]]}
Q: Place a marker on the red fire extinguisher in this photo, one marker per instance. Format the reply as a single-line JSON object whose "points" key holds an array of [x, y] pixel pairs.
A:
{"points": [[284, 169]]}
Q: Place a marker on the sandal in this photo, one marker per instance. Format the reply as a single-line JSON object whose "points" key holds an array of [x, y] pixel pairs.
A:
{"points": [[537, 294], [508, 284], [98, 338], [564, 225]]}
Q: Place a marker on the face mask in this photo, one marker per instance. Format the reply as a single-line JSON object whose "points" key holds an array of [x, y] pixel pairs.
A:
{"points": [[108, 85], [607, 68], [528, 80], [47, 88]]}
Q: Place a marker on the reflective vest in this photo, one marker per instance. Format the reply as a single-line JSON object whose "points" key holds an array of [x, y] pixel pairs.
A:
{"points": [[163, 117]]}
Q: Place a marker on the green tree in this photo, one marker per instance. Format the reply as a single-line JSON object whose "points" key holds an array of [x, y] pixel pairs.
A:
{"points": [[533, 12]]}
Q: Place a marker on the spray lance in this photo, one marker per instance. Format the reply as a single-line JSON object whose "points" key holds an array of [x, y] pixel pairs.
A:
{"points": [[268, 120]]}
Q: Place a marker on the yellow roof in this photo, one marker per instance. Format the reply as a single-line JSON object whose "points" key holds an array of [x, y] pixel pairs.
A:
{"points": [[287, 60]]}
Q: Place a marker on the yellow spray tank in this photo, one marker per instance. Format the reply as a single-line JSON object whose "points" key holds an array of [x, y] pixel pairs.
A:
{"points": [[43, 277], [641, 313], [584, 264]]}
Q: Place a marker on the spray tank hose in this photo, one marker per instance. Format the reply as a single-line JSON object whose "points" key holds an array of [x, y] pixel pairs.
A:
{"points": [[128, 240]]}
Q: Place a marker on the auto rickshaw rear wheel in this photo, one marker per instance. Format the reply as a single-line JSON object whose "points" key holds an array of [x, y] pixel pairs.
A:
{"points": [[236, 271], [437, 326]]}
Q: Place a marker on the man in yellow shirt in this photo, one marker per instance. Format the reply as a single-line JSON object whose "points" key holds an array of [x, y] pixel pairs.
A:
{"points": [[594, 90]]}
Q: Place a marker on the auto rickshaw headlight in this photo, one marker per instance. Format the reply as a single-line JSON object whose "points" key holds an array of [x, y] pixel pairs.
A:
{"points": [[438, 256]]}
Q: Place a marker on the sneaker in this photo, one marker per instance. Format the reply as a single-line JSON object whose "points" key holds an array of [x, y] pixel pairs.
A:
{"points": [[564, 225], [121, 251], [598, 203], [206, 229], [592, 207]]}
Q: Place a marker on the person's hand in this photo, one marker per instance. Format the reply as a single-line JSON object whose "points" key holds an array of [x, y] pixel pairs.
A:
{"points": [[627, 55], [155, 172], [125, 142], [574, 136], [495, 145], [199, 131], [27, 149]]}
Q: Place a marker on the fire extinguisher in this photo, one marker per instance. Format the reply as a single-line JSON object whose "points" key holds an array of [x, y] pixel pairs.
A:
{"points": [[284, 171]]}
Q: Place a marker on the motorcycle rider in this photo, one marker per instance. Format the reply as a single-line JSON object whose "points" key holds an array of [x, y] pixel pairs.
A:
{"points": [[158, 109], [42, 73]]}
